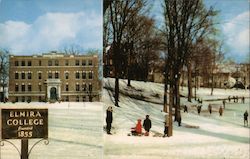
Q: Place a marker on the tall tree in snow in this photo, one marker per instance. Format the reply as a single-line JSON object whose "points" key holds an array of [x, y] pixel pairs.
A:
{"points": [[185, 23]]}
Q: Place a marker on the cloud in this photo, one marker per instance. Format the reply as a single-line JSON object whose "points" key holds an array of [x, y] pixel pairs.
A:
{"points": [[236, 33], [52, 31]]}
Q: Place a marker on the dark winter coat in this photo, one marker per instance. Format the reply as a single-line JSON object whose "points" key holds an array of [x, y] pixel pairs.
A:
{"points": [[245, 115], [109, 117], [147, 124]]}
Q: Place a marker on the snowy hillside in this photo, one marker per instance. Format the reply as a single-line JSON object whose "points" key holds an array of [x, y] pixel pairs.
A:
{"points": [[216, 137]]}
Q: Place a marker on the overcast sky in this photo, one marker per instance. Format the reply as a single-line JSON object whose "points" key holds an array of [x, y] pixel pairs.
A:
{"points": [[35, 26]]}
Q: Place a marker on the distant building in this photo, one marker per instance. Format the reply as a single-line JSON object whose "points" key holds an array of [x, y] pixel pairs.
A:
{"points": [[54, 76]]}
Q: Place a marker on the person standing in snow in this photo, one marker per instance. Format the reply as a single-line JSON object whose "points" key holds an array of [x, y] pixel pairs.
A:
{"points": [[147, 125], [179, 120], [109, 119], [243, 99], [199, 109], [210, 108], [166, 125], [246, 118], [220, 110], [224, 103], [229, 99], [185, 109], [137, 130]]}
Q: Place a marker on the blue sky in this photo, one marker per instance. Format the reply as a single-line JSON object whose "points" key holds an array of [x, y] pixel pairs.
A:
{"points": [[234, 25], [37, 26]]}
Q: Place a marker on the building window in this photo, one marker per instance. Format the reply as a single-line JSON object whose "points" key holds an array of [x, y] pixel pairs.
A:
{"points": [[16, 88], [40, 99], [50, 62], [40, 87], [77, 75], [83, 98], [29, 99], [90, 75], [23, 63], [50, 75], [66, 75], [67, 87], [66, 62], [16, 75], [56, 63], [29, 88], [90, 62], [77, 62], [23, 99], [56, 75], [16, 63], [77, 99], [90, 87], [84, 62], [83, 75], [40, 63], [84, 87], [29, 76], [39, 75], [67, 98], [77, 87], [29, 63], [23, 88], [16, 99], [23, 75]]}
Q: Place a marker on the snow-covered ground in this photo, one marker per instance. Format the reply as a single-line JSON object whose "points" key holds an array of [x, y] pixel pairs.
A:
{"points": [[75, 132], [76, 129], [217, 137]]}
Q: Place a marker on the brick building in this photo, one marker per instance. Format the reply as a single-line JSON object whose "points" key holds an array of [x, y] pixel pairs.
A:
{"points": [[54, 76]]}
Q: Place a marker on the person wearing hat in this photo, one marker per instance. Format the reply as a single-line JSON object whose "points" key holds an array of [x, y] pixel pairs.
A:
{"points": [[147, 125], [109, 119]]}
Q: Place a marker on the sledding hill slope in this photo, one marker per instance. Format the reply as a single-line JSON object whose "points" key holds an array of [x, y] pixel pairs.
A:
{"points": [[216, 137]]}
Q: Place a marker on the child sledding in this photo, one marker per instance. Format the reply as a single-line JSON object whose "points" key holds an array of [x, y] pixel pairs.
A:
{"points": [[137, 130]]}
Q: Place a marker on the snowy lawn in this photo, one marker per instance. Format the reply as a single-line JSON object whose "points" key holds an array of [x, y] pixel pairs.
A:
{"points": [[217, 137], [75, 132]]}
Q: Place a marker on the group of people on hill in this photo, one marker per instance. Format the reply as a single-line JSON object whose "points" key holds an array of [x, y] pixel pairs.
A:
{"points": [[137, 130], [236, 99]]}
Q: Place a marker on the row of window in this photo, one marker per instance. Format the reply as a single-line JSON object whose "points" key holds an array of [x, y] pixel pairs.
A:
{"points": [[78, 75], [40, 99], [55, 63], [83, 87], [23, 88]]}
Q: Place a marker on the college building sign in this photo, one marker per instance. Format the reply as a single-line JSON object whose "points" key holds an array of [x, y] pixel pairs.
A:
{"points": [[24, 123]]}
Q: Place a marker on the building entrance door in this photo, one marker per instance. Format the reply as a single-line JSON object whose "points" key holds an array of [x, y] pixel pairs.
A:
{"points": [[53, 94]]}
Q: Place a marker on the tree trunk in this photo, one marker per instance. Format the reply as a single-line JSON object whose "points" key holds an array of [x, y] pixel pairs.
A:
{"points": [[212, 85], [190, 94], [116, 91], [177, 98], [165, 105], [171, 103]]}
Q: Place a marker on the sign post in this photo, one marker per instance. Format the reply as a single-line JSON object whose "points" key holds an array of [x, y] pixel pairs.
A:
{"points": [[24, 124], [24, 149]]}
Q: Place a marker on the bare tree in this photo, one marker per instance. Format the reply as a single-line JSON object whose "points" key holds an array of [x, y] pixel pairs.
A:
{"points": [[4, 70], [185, 23], [120, 13], [142, 43]]}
